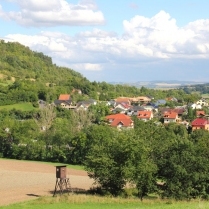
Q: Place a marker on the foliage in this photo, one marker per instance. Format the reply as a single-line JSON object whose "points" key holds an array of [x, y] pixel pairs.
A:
{"points": [[141, 157]]}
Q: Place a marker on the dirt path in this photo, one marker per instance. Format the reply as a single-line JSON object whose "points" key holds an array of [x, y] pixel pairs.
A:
{"points": [[20, 180]]}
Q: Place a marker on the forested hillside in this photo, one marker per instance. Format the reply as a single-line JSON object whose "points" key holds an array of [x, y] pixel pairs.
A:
{"points": [[26, 76]]}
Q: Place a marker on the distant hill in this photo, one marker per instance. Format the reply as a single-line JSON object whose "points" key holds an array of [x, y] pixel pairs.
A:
{"points": [[158, 84], [29, 76], [19, 62]]}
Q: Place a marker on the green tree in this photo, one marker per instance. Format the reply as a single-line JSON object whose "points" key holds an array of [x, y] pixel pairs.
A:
{"points": [[106, 161], [141, 169]]}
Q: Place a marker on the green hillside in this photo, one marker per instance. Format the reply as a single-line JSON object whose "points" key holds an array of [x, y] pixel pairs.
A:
{"points": [[20, 62], [27, 76]]}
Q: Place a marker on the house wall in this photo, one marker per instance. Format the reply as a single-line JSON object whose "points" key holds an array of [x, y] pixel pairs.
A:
{"points": [[169, 120]]}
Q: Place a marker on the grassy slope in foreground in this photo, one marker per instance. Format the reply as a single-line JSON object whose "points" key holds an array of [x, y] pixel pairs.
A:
{"points": [[93, 202]]}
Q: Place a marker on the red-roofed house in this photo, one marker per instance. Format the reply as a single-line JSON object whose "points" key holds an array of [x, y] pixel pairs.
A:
{"points": [[200, 113], [64, 97], [120, 121], [145, 115], [121, 107], [170, 117], [200, 123], [64, 101]]}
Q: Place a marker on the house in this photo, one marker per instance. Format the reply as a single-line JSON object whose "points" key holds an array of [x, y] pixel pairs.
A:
{"points": [[160, 102], [64, 101], [124, 100], [200, 113], [145, 115], [148, 107], [143, 99], [134, 110], [120, 121], [196, 106], [179, 110], [121, 108], [200, 123], [202, 102], [84, 105], [170, 117]]}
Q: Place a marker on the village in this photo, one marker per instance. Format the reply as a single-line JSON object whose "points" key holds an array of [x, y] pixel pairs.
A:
{"points": [[124, 108]]}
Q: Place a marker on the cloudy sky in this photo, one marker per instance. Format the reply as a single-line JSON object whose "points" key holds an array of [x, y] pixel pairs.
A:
{"points": [[115, 40]]}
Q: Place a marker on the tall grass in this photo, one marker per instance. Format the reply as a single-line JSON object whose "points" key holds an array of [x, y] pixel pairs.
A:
{"points": [[94, 202]]}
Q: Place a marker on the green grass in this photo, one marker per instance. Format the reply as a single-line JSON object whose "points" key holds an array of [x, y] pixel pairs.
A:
{"points": [[6, 83], [20, 106], [76, 167], [205, 96], [94, 202]]}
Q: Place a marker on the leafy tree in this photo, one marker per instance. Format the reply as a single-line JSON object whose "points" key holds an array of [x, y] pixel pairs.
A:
{"points": [[141, 169], [106, 162]]}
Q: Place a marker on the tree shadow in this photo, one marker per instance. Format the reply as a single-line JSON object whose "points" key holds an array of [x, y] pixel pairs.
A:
{"points": [[74, 190]]}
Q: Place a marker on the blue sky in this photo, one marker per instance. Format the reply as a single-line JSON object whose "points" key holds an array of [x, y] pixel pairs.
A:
{"points": [[109, 40]]}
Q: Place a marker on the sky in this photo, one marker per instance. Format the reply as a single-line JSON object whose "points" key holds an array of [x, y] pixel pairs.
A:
{"points": [[115, 40]]}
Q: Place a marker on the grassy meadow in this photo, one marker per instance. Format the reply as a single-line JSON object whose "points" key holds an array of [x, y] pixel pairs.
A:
{"points": [[20, 106], [93, 202]]}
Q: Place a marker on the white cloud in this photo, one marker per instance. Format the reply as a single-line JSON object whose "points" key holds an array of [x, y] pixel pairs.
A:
{"points": [[92, 67], [87, 67], [144, 39], [161, 34], [49, 13]]}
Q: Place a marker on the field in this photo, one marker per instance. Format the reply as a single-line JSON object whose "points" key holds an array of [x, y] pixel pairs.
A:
{"points": [[23, 180], [20, 106], [30, 185]]}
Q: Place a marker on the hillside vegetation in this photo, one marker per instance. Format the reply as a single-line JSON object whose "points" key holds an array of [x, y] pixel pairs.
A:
{"points": [[167, 160], [26, 76]]}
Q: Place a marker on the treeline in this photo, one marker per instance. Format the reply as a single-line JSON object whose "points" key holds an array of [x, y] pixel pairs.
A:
{"points": [[200, 88], [153, 158]]}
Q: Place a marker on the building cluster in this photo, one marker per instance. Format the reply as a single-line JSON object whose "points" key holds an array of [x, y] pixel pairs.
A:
{"points": [[123, 108]]}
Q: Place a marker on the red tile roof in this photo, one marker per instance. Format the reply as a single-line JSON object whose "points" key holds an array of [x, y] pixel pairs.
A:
{"points": [[200, 122], [170, 115], [117, 119], [64, 97], [144, 114], [117, 116]]}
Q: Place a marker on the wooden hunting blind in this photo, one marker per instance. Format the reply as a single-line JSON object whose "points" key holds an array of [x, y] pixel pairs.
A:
{"points": [[62, 182], [61, 171]]}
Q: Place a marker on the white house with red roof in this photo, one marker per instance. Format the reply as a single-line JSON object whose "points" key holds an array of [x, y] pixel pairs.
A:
{"points": [[121, 107], [170, 117], [145, 115], [120, 121]]}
